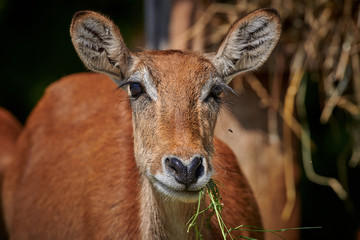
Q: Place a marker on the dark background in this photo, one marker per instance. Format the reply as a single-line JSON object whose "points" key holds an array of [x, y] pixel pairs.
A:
{"points": [[36, 48]]}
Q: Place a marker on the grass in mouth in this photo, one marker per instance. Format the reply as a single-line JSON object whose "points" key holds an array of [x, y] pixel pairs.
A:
{"points": [[215, 207]]}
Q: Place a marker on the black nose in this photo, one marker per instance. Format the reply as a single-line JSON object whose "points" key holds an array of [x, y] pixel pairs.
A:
{"points": [[183, 174]]}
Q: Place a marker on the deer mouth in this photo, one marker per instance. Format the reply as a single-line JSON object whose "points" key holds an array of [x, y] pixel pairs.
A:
{"points": [[184, 194]]}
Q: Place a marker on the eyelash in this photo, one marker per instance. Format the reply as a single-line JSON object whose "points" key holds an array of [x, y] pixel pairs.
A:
{"points": [[131, 84], [215, 92]]}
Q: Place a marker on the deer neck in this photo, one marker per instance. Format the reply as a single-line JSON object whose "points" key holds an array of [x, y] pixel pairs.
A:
{"points": [[161, 217]]}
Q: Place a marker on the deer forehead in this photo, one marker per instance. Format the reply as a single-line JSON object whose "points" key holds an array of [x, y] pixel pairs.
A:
{"points": [[176, 73]]}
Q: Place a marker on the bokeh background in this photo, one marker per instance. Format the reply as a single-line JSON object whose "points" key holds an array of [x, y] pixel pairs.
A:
{"points": [[37, 48], [304, 102]]}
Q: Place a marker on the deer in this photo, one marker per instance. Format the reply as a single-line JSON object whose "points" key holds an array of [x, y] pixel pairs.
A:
{"points": [[98, 160]]}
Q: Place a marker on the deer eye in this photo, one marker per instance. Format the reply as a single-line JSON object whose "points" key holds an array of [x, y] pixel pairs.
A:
{"points": [[215, 92], [135, 89]]}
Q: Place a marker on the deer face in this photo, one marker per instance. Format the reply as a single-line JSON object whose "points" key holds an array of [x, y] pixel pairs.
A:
{"points": [[174, 95], [174, 98]]}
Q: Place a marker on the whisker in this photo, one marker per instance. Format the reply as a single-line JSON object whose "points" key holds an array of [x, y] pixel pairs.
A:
{"points": [[219, 168]]}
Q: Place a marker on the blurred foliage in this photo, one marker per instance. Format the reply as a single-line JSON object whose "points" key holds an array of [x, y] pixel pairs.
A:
{"points": [[36, 45]]}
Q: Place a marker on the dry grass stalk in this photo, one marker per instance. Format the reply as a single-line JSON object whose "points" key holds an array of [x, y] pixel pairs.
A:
{"points": [[305, 146], [267, 101], [297, 70], [340, 76], [348, 106], [356, 83]]}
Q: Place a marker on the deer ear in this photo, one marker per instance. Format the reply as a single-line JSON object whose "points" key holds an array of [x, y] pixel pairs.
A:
{"points": [[99, 44], [248, 44]]}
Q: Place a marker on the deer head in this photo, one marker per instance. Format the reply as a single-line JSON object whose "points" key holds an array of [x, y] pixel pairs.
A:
{"points": [[174, 94]]}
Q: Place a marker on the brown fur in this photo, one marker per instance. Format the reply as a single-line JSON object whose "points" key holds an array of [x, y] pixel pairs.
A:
{"points": [[262, 164], [179, 124], [75, 176], [90, 167], [9, 131]]}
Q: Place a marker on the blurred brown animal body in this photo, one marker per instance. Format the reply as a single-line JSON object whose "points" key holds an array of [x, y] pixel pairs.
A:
{"points": [[90, 164], [262, 163], [10, 129]]}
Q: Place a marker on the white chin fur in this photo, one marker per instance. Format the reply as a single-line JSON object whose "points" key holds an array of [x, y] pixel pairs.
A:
{"points": [[181, 195]]}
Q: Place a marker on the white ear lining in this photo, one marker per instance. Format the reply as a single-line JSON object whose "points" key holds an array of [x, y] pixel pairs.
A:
{"points": [[99, 44], [248, 43]]}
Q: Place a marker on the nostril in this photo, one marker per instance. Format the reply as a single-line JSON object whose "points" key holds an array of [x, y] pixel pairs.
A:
{"points": [[170, 167], [194, 165], [177, 169], [199, 171], [195, 169]]}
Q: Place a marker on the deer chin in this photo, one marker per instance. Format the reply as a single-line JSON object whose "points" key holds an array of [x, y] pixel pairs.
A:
{"points": [[171, 189], [183, 196]]}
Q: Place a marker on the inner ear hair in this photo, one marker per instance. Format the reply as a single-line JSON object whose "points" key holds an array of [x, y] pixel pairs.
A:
{"points": [[99, 44], [248, 43]]}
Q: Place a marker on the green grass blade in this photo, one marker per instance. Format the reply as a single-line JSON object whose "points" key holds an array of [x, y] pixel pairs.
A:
{"points": [[216, 206]]}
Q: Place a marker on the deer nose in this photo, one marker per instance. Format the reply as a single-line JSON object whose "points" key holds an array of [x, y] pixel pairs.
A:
{"points": [[186, 174]]}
